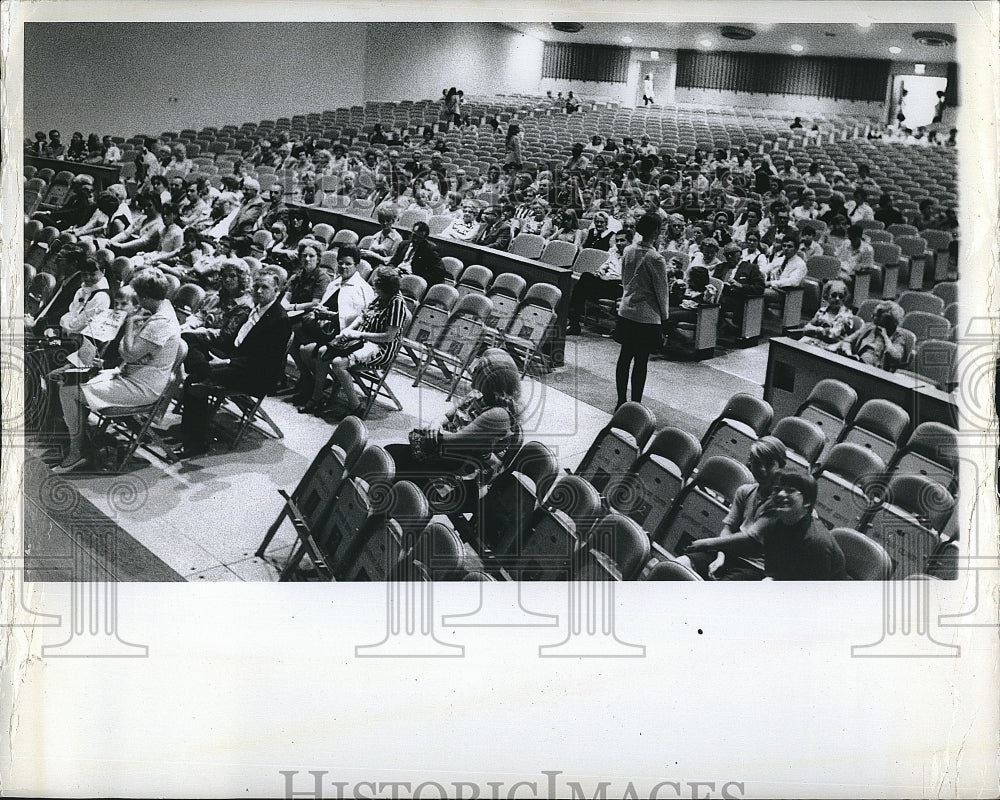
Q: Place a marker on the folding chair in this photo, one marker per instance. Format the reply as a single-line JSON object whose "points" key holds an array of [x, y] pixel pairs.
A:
{"points": [[865, 559], [505, 293], [848, 476], [925, 325], [392, 533], [532, 324], [829, 406], [908, 524], [744, 419], [429, 321], [339, 534], [590, 260], [319, 485], [931, 451], [437, 555], [527, 245], [803, 440], [615, 549], [458, 343], [136, 423], [617, 445], [703, 504], [879, 425], [921, 301], [647, 491], [570, 510], [475, 280], [371, 380], [559, 254]]}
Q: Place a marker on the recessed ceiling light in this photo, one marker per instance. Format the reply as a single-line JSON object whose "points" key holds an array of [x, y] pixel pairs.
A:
{"points": [[654, 55], [864, 24], [919, 69], [627, 39], [895, 50], [797, 47], [705, 42]]}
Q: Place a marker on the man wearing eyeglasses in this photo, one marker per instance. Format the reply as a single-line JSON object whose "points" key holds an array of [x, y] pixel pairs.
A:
{"points": [[796, 546]]}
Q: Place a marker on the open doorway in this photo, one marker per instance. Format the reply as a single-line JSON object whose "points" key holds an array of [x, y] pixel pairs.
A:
{"points": [[916, 98]]}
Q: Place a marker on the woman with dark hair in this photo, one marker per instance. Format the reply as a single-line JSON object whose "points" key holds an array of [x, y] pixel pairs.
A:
{"points": [[144, 234], [147, 349], [308, 285], [467, 448], [371, 340], [77, 148], [643, 309], [97, 225], [562, 226]]}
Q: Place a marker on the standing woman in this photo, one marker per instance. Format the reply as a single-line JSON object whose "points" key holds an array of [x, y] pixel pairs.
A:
{"points": [[643, 309], [514, 160], [647, 90]]}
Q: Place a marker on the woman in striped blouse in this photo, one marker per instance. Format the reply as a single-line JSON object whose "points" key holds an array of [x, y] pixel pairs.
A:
{"points": [[372, 340]]}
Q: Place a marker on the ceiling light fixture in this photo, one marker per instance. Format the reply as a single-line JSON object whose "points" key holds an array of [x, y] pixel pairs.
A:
{"points": [[864, 24], [627, 39], [797, 47], [654, 55], [705, 42], [895, 50], [919, 69]]}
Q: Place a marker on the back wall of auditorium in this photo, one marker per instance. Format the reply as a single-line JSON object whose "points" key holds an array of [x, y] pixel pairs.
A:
{"points": [[128, 78]]}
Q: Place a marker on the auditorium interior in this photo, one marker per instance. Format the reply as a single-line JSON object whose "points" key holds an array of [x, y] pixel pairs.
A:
{"points": [[783, 199]]}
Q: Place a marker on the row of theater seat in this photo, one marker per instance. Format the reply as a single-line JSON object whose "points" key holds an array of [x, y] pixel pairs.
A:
{"points": [[637, 499]]}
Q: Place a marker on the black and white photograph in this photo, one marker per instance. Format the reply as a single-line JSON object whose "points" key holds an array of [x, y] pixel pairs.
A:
{"points": [[469, 332]]}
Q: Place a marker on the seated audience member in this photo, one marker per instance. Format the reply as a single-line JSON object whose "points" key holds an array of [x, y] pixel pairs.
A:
{"points": [[857, 208], [495, 231], [97, 224], [112, 154], [880, 343], [224, 212], [835, 209], [194, 209], [562, 226], [886, 213], [787, 270], [855, 254], [69, 265], [808, 246], [453, 206], [147, 351], [534, 223], [158, 185], [275, 210], [75, 210], [211, 330], [468, 447], [386, 241], [144, 234], [342, 303], [420, 256], [746, 281], [747, 223], [600, 236], [466, 227], [833, 322], [729, 263], [686, 296], [806, 208], [794, 545], [255, 366], [55, 147], [93, 297], [171, 240], [767, 459], [307, 285], [707, 255], [371, 340], [249, 212], [605, 284], [928, 217]]}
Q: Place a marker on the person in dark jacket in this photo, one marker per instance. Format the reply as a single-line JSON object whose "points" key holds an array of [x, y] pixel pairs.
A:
{"points": [[257, 363], [495, 231], [745, 281], [420, 256]]}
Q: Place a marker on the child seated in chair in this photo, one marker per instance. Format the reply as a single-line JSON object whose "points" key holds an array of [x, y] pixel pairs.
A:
{"points": [[688, 296]]}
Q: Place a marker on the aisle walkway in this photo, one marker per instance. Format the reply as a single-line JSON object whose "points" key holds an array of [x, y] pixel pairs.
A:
{"points": [[202, 519]]}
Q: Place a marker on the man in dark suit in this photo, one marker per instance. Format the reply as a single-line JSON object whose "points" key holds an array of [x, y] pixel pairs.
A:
{"points": [[420, 256], [495, 231], [257, 363], [745, 281]]}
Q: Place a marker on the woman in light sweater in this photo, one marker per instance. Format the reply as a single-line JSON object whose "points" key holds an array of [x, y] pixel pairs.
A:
{"points": [[643, 309]]}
